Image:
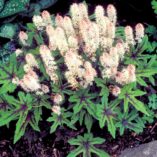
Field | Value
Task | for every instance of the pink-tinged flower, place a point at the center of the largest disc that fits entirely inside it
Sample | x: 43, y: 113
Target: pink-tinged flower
x: 90, y: 35
x: 49, y: 63
x: 61, y: 40
x: 120, y: 50
x: 90, y: 73
x: 46, y: 17
x: 111, y: 59
x: 122, y: 77
x: 72, y: 60
x: 71, y: 78
x: 127, y: 75
x: 68, y: 26
x: 56, y: 109
x: 106, y: 60
x: 73, y: 43
x: 111, y: 13
x: 75, y: 14
x: 84, y: 11
x: 139, y: 32
x: 103, y: 26
x: 109, y: 72
x: 129, y: 37
x: 105, y: 43
x: 111, y: 30
x: 115, y: 90
x: 23, y: 37
x: 50, y: 30
x: 52, y: 38
x: 57, y: 99
x: 59, y: 21
x: 44, y: 88
x: 132, y: 73
x: 99, y: 13
x: 31, y: 61
x: 30, y: 82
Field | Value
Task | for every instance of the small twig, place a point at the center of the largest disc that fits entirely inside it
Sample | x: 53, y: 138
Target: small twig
x: 153, y: 127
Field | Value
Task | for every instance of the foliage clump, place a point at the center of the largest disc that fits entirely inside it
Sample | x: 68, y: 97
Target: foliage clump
x: 84, y: 70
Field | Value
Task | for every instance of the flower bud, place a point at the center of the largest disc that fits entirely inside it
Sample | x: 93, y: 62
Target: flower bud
x: 56, y: 109
x: 46, y: 17
x: 129, y: 35
x: 38, y: 22
x: 115, y: 90
x: 139, y: 32
x: 111, y: 13
x: 99, y: 13
x: 59, y: 21
x: 57, y: 99
x: 30, y: 59
x: 23, y: 37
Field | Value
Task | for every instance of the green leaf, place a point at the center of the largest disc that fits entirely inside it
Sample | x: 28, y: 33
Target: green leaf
x: 98, y: 140
x: 126, y: 104
x: 77, y: 108
x: 138, y: 105
x: 88, y: 122
x: 21, y: 126
x: 99, y: 152
x: 75, y: 152
x: 146, y: 72
x: 111, y: 127
x: 54, y: 127
x: 141, y: 81
x: 137, y: 93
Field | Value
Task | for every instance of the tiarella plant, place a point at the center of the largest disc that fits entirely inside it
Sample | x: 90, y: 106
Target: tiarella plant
x: 86, y: 146
x: 84, y: 69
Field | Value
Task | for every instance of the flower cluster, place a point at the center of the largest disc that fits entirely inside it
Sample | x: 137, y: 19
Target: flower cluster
x: 82, y: 43
x: 49, y: 62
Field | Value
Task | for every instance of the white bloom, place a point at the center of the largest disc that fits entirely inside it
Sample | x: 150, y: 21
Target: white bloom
x: 18, y: 52
x: 115, y: 90
x: 59, y: 21
x: 56, y: 109
x: 99, y: 13
x: 52, y: 37
x: 50, y: 64
x: 127, y: 75
x: 31, y: 61
x: 68, y: 26
x: 111, y: 13
x: 23, y: 38
x: 61, y: 40
x: 120, y: 50
x: 72, y: 60
x: 75, y: 14
x: 84, y: 11
x: 139, y: 30
x: 30, y: 82
x: 27, y: 68
x: 38, y: 22
x: 46, y: 17
x: 73, y: 43
x: 111, y: 29
x: 44, y: 88
x: 129, y: 35
x: 57, y: 99
x: 15, y: 80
